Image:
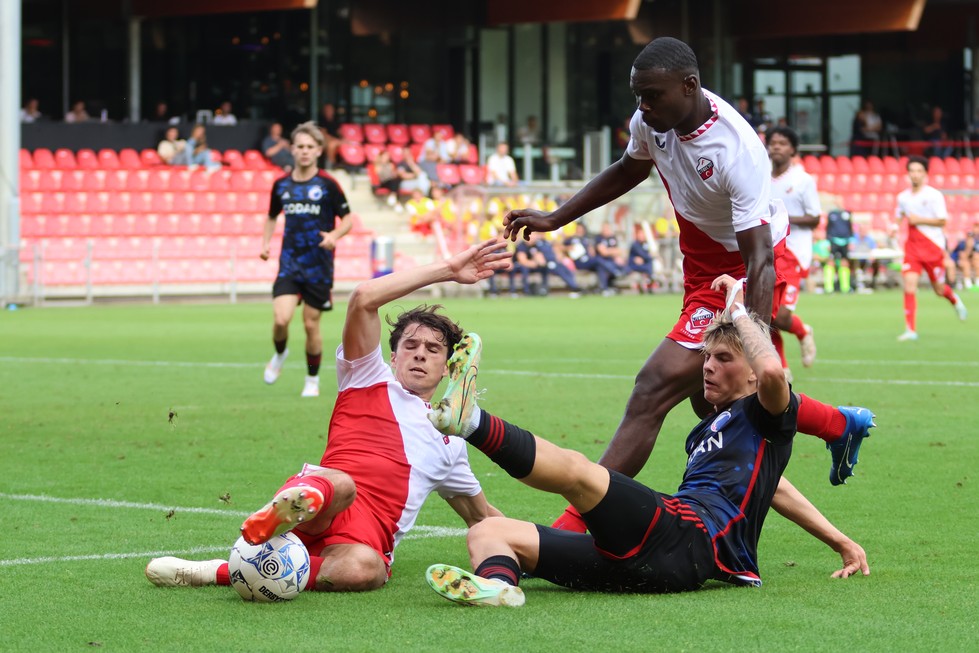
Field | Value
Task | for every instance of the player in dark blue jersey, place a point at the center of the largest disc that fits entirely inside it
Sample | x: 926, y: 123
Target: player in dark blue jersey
x: 641, y: 540
x: 317, y: 216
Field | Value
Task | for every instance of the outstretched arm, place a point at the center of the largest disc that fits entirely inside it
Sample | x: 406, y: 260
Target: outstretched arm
x: 755, y: 245
x: 791, y: 504
x: 362, y: 328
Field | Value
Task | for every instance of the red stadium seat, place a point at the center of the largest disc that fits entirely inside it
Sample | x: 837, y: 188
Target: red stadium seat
x: 352, y: 132
x: 858, y: 164
x: 234, y: 159
x: 419, y: 133
x: 844, y: 183
x: 375, y: 133
x: 30, y: 180
x: 262, y: 181
x: 936, y: 179
x: 87, y: 159
x: 129, y: 159
x: 30, y: 203
x: 352, y: 154
x: 844, y: 164
x: 936, y: 165
x: 241, y: 179
x: 26, y: 160
x: 416, y: 150
x: 44, y: 159
x: 892, y: 183
x: 967, y: 166
x: 108, y: 159
x: 254, y: 160
x: 141, y: 202
x: 199, y: 179
x: 53, y: 203
x: 448, y: 174
x: 116, y: 179
x: 828, y: 164
x: 185, y: 202
x: 180, y: 179
x: 159, y: 179
x: 63, y: 159
x: 892, y: 165
x: 219, y: 180
x: 162, y: 202
x: 472, y: 174
x: 811, y: 163
x: 73, y: 180
x: 952, y: 166
x: 446, y: 131
x: 398, y: 134
x: 371, y: 150
x: 875, y: 165
x: 396, y: 152
x: 137, y: 180
x: 150, y: 158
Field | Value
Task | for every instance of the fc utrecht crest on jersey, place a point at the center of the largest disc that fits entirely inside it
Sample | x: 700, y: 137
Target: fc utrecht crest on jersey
x: 705, y: 168
x: 700, y: 319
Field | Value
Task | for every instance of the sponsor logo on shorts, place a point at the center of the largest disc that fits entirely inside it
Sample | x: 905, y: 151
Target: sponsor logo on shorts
x: 705, y: 168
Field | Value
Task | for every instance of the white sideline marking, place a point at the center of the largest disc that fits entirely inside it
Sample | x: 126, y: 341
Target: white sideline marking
x: 418, y: 532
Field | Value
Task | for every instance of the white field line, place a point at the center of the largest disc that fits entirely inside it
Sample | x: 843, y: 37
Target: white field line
x: 560, y: 375
x: 416, y: 533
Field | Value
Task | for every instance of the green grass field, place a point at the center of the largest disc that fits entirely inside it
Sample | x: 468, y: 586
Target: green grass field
x: 91, y: 466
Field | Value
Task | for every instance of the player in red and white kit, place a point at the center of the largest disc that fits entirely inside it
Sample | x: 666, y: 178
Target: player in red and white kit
x: 716, y: 172
x: 923, y: 207
x: 797, y: 190
x: 383, y: 456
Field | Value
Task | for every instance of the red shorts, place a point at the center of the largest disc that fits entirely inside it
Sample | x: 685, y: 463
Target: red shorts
x: 924, y: 257
x: 701, y: 304
x: 793, y: 273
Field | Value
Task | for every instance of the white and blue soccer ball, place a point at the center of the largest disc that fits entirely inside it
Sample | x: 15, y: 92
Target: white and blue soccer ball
x: 277, y: 570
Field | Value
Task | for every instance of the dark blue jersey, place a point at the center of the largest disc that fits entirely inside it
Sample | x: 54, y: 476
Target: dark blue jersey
x: 310, y: 207
x: 640, y: 250
x: 735, y: 459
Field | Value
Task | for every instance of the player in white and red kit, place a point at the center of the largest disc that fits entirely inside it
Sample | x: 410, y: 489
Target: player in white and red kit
x: 383, y: 457
x: 923, y: 207
x: 797, y: 190
x: 716, y: 172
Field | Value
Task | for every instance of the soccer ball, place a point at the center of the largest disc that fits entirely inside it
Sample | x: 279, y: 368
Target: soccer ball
x: 277, y: 570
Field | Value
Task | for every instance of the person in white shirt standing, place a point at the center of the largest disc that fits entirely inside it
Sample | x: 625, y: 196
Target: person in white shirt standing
x: 501, y: 170
x: 797, y: 190
x: 923, y: 207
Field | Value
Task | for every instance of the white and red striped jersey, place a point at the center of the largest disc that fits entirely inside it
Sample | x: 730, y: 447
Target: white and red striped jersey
x: 928, y: 202
x: 797, y: 190
x: 380, y: 435
x: 719, y: 180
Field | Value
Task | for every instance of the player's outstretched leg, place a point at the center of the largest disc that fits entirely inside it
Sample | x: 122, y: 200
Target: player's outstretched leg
x: 274, y: 368
x: 176, y: 572
x: 463, y: 587
x: 290, y: 507
x: 453, y: 414
x: 844, y: 451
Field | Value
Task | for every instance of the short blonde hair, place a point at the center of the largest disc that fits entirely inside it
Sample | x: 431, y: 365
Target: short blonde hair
x: 310, y: 129
x: 722, y: 331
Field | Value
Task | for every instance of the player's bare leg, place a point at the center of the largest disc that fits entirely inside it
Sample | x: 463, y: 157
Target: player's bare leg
x: 283, y: 308
x: 314, y: 350
x: 350, y: 568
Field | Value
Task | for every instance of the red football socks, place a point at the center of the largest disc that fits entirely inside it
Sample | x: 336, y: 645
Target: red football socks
x: 819, y: 419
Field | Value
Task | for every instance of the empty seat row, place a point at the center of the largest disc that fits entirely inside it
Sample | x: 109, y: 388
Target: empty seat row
x: 150, y: 224
x: 883, y: 165
x: 122, y: 202
x: 844, y: 182
x: 360, y: 154
x: 398, y: 134
x: 129, y: 159
x: 158, y: 179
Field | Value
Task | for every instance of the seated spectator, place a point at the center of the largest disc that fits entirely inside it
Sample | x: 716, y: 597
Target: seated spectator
x: 867, y: 129
x: 641, y: 254
x: 77, y: 113
x: 965, y: 256
x: 412, y: 176
x: 501, y: 169
x: 387, y: 175
x: 277, y: 148
x: 197, y: 151
x: 429, y: 162
x: 607, y: 249
x: 554, y: 264
x: 30, y: 113
x: 581, y: 252
x: 173, y: 149
x: 422, y: 213
x: 330, y: 126
x: 529, y: 134
x: 936, y: 132
x: 529, y: 259
x: 459, y: 148
x: 162, y: 114
x: 437, y: 149
x: 223, y: 117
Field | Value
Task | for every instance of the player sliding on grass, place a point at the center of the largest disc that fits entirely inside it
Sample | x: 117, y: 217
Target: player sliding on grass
x: 642, y: 540
x: 383, y: 457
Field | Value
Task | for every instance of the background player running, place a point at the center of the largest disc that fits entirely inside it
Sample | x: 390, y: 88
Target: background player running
x: 383, y: 457
x: 317, y: 217
x: 923, y: 207
x: 642, y: 540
